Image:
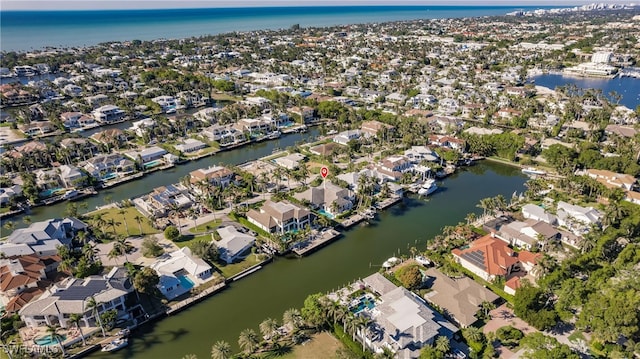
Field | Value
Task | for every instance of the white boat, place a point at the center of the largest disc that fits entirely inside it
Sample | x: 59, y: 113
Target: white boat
x: 390, y: 262
x: 423, y: 260
x: 273, y: 135
x: 24, y: 71
x: 533, y: 171
x: 71, y: 194
x: 428, y: 187
x: 116, y: 345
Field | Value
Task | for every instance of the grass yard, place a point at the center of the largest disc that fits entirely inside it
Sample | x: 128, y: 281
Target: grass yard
x: 202, y: 152
x: 245, y: 222
x: 205, y: 226
x: 230, y: 270
x: 224, y: 97
x: 186, y: 240
x: 128, y: 217
x: 321, y: 345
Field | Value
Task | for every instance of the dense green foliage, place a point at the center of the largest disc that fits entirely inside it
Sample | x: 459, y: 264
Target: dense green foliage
x: 171, y: 233
x: 504, y: 145
x: 409, y: 276
x: 532, y: 305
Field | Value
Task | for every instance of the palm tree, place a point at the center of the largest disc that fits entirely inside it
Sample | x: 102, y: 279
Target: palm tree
x: 52, y: 330
x: 487, y: 307
x: 268, y: 329
x: 362, y: 324
x: 138, y: 218
x: 113, y: 223
x: 473, y: 334
x: 190, y: 356
x: 221, y: 350
x: 248, y: 340
x: 100, y: 222
x: 442, y: 344
x: 292, y: 318
x: 66, y: 266
x: 120, y: 248
x: 76, y: 319
x: 123, y: 213
x: 94, y: 306
x: 82, y: 237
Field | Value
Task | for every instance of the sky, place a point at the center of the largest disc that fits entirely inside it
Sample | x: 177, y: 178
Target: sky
x: 172, y: 4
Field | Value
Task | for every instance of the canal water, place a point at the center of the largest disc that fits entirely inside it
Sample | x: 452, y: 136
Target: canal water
x: 627, y: 87
x: 286, y: 282
x: 160, y: 178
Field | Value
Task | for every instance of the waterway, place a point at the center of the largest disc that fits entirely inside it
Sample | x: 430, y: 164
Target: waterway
x: 160, y: 178
x: 627, y: 87
x: 29, y: 30
x: 286, y: 282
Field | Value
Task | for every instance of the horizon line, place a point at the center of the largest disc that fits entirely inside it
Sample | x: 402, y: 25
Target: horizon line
x: 101, y: 5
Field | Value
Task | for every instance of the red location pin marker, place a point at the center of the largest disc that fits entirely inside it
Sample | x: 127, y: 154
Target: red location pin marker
x: 324, y: 172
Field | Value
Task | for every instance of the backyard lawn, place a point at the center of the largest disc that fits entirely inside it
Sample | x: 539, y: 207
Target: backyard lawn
x: 203, y: 227
x: 128, y: 217
x: 186, y: 240
x: 230, y: 270
x: 321, y: 345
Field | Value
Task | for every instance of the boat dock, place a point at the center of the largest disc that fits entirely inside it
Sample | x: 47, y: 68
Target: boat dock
x: 352, y: 220
x: 388, y: 202
x: 174, y: 308
x: 317, y: 242
x: 122, y: 180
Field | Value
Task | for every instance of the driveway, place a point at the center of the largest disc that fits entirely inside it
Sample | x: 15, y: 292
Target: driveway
x: 503, y: 316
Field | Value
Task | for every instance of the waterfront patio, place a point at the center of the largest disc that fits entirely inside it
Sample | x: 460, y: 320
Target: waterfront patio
x: 71, y: 335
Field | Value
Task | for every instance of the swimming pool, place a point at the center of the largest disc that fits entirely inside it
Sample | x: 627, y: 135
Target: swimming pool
x: 326, y: 214
x: 365, y: 302
x: 152, y: 163
x: 50, y: 192
x: 47, y: 340
x: 185, y: 282
x: 109, y: 176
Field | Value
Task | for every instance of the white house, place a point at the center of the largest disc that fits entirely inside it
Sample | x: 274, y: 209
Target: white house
x: 344, y: 137
x: 7, y: 193
x: 578, y: 219
x: 179, y: 271
x: 190, y: 145
x: 282, y: 217
x: 42, y: 238
x: 328, y: 197
x: 71, y: 296
x: 538, y: 213
x: 290, y: 161
x: 417, y: 154
x: 233, y: 244
x: 147, y: 154
x: 405, y: 320
x: 108, y: 114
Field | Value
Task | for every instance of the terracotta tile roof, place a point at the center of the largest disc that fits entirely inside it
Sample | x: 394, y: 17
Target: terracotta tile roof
x: 528, y: 257
x: 513, y: 283
x: 490, y: 254
x: 17, y: 302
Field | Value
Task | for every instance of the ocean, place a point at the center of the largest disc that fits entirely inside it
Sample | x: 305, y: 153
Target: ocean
x: 33, y: 30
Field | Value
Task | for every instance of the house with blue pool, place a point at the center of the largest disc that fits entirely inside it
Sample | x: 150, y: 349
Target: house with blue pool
x: 180, y: 271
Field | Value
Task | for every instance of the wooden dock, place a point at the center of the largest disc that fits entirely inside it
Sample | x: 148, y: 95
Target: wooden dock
x: 352, y: 220
x: 310, y: 246
x: 113, y: 183
x: 388, y: 202
x: 174, y: 308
